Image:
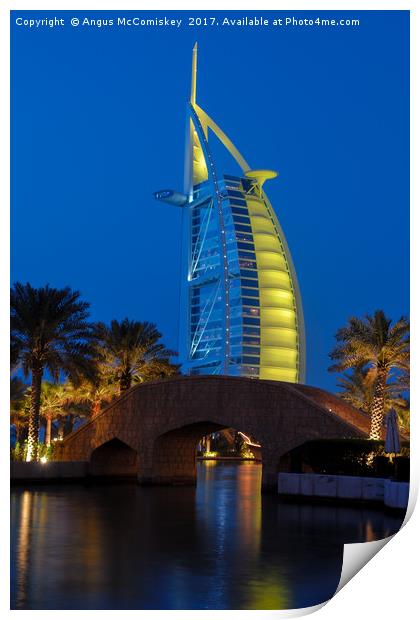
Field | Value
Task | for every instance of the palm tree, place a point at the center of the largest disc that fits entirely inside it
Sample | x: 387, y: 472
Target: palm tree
x: 63, y: 402
x: 54, y: 398
x: 157, y: 369
x: 358, y: 387
x: 373, y: 342
x: 97, y: 391
x: 132, y: 351
x: 49, y: 331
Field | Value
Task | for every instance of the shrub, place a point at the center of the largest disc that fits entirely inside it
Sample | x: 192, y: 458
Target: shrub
x: 351, y: 457
x: 18, y: 453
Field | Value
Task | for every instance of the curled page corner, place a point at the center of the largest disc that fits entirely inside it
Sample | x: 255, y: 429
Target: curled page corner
x: 356, y: 555
x: 305, y: 611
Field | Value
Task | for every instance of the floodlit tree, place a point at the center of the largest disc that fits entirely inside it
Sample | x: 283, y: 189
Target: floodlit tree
x: 132, y: 352
x: 374, y: 342
x: 97, y: 391
x: 54, y: 399
x: 358, y: 387
x: 49, y: 332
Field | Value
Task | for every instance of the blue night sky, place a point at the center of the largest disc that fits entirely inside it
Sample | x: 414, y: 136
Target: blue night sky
x: 98, y: 123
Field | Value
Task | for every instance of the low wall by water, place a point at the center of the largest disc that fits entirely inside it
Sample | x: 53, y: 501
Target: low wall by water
x: 378, y: 490
x: 47, y: 472
x: 396, y: 494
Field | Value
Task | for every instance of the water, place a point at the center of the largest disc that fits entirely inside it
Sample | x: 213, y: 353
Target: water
x: 219, y: 546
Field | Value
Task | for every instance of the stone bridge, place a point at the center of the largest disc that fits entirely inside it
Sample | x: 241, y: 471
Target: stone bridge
x: 152, y: 431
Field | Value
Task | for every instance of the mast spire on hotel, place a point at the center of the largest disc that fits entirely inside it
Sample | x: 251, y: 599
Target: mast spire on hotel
x: 241, y: 312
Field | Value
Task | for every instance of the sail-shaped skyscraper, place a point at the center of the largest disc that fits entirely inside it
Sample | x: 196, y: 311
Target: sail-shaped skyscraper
x: 241, y: 312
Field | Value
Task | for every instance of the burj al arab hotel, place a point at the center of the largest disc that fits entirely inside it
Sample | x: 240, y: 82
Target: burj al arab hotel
x: 241, y: 312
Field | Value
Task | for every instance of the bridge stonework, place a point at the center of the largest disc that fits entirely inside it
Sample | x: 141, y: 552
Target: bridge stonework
x: 153, y: 429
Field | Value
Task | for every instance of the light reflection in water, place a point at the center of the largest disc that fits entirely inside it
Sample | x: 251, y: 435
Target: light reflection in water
x: 23, y: 547
x: 219, y: 546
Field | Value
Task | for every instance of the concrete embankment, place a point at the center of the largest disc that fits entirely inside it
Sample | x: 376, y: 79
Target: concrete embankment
x: 53, y: 471
x: 383, y: 491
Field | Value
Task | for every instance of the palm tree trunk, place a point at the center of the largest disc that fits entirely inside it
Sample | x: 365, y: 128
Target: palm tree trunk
x: 32, y: 453
x: 96, y: 408
x: 377, y: 410
x: 48, y: 423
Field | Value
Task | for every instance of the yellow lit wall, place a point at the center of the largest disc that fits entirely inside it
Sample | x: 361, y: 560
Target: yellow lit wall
x: 279, y: 352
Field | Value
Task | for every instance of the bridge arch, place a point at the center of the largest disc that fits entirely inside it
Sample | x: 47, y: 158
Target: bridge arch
x: 114, y: 459
x: 163, y: 421
x: 174, y: 452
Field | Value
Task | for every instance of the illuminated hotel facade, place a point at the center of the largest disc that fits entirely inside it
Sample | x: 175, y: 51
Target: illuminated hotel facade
x: 241, y: 312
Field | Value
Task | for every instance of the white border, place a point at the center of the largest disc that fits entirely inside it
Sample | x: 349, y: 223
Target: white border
x: 387, y: 584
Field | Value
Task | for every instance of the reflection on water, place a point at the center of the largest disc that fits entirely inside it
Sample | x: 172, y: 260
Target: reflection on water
x: 219, y: 546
